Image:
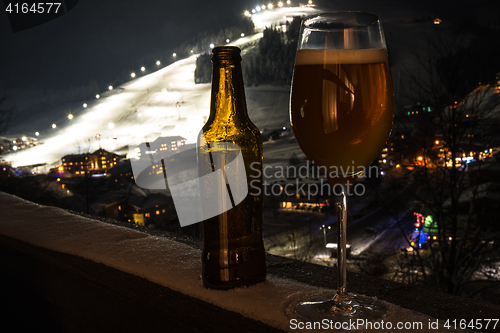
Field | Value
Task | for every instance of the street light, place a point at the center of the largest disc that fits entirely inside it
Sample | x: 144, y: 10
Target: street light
x: 23, y: 138
x: 158, y: 62
x: 97, y: 96
x: 111, y: 125
x: 70, y: 116
x: 178, y: 109
x: 174, y: 54
x: 324, y: 232
x: 242, y: 35
x: 280, y: 4
x: 110, y: 87
x: 132, y: 74
x: 37, y: 134
x: 54, y: 125
x: 212, y: 45
x: 84, y: 105
x: 143, y: 69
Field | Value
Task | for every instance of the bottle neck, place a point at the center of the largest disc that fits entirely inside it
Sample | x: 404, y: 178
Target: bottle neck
x: 228, y: 94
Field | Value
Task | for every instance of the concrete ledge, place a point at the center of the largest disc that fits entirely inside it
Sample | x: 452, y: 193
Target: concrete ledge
x: 88, y: 275
x: 48, y: 291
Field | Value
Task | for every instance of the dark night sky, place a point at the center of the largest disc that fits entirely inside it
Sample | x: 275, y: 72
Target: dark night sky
x: 99, y: 39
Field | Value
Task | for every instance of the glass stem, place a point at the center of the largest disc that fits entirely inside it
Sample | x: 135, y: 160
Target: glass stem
x: 341, y: 243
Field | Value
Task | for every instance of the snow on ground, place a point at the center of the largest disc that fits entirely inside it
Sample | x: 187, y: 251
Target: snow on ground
x: 136, y: 110
x: 163, y: 261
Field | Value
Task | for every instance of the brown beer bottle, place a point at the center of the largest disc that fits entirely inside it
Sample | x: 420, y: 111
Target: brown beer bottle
x: 233, y: 250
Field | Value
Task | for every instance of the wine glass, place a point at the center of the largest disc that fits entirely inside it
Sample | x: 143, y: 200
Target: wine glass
x: 341, y: 111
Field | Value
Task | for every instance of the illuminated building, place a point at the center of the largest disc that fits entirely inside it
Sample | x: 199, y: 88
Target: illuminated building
x: 162, y: 146
x: 95, y: 164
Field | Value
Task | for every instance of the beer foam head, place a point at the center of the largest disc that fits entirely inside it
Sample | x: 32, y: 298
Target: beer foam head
x: 319, y: 56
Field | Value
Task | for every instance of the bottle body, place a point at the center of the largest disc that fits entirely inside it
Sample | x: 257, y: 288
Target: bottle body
x: 233, y: 251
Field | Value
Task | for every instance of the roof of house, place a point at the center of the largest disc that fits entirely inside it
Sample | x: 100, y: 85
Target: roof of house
x: 149, y: 201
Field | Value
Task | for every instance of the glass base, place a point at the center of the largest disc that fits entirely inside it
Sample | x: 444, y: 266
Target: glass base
x: 350, y: 307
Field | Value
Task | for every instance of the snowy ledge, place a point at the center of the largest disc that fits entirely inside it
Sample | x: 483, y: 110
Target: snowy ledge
x: 99, y: 277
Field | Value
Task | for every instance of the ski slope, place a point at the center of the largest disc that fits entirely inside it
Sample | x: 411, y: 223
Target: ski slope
x: 166, y: 102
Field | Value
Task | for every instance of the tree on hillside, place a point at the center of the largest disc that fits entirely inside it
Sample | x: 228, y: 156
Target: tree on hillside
x: 203, y: 70
x: 275, y: 60
x: 201, y: 43
x: 456, y: 120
